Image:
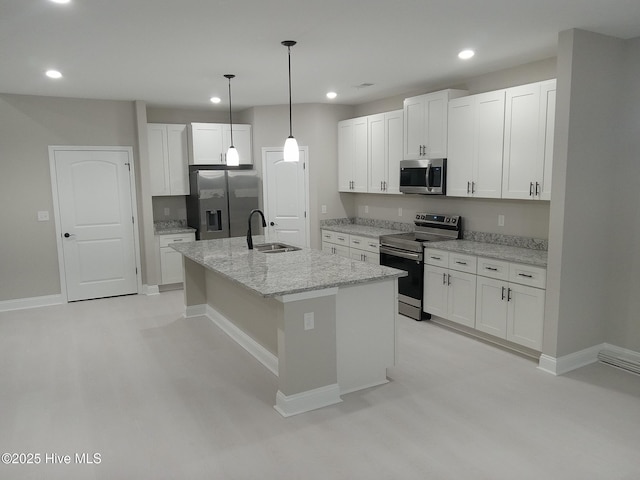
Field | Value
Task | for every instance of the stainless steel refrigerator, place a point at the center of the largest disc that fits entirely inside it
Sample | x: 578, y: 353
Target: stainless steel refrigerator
x: 221, y: 199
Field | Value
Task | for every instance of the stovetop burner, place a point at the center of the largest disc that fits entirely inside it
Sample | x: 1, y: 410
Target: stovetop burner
x: 429, y: 228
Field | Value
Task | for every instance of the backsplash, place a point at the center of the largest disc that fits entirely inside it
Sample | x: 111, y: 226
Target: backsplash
x: 484, y: 237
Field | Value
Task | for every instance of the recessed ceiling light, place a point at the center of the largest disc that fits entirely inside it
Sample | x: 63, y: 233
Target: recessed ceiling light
x: 215, y: 99
x: 466, y: 54
x: 331, y: 95
x: 61, y: 1
x: 53, y: 74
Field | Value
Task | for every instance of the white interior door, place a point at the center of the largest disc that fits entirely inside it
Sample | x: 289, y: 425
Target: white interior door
x: 285, y: 197
x: 95, y: 217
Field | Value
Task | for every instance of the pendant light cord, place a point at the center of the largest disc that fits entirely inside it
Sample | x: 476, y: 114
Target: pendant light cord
x: 230, y: 119
x: 290, y: 118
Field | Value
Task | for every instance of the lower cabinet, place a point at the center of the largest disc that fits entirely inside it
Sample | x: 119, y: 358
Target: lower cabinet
x: 355, y: 247
x: 499, y: 298
x: 170, y: 260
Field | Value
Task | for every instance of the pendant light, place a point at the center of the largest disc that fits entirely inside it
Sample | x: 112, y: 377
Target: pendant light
x: 233, y: 159
x: 291, y: 153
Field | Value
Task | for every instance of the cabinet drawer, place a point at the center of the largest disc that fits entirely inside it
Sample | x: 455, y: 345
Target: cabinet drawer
x: 341, y: 239
x: 528, y: 275
x: 498, y: 269
x: 166, y: 240
x: 364, y: 243
x: 462, y: 262
x: 438, y: 258
x: 328, y: 236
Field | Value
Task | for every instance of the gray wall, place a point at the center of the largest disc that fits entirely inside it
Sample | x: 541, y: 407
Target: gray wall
x: 28, y: 125
x: 593, y: 258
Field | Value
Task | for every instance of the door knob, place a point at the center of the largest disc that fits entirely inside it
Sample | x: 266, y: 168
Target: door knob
x: 271, y: 223
x: 67, y: 235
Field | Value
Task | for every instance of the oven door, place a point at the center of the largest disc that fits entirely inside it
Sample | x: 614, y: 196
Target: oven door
x: 409, y: 287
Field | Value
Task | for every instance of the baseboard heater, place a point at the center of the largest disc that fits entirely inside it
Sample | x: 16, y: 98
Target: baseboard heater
x: 619, y: 361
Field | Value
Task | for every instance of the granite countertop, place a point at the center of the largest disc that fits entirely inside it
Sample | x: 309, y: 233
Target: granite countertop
x: 362, y: 230
x: 171, y: 226
x: 275, y: 274
x: 507, y: 253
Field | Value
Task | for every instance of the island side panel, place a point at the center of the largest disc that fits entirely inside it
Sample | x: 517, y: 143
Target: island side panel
x: 307, y: 358
x: 195, y: 295
x: 254, y: 315
x: 366, y: 334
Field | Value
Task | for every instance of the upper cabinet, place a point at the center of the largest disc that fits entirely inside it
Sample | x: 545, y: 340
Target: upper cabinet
x: 168, y: 159
x: 476, y: 136
x: 210, y: 142
x: 369, y: 153
x: 352, y: 155
x: 385, y: 151
x: 425, y: 124
x: 528, y: 142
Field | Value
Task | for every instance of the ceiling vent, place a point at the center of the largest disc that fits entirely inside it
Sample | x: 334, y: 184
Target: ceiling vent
x: 364, y: 85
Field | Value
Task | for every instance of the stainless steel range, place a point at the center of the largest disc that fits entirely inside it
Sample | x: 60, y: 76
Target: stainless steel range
x: 404, y: 251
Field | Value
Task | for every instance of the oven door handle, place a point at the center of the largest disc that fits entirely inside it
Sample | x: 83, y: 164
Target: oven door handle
x: 399, y: 253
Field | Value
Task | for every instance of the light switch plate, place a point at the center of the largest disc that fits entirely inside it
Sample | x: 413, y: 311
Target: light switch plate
x: 309, y: 321
x: 501, y: 220
x: 366, y: 209
x: 166, y: 211
x: 43, y: 216
x: 324, y: 209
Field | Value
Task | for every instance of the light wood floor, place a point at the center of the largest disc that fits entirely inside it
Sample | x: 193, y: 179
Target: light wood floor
x: 162, y: 397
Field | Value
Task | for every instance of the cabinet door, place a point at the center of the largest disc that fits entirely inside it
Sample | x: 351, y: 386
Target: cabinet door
x: 436, y: 289
x: 171, y: 266
x: 462, y: 298
x: 361, y: 155
x: 342, y: 251
x: 158, y: 159
x: 436, y: 108
x: 414, y: 127
x: 525, y: 316
x: 522, y: 152
x: 491, y: 306
x: 461, y: 146
x: 206, y: 143
x: 241, y: 140
x: 393, y: 149
x: 548, y: 111
x: 178, y: 159
x: 346, y: 151
x: 377, y: 157
x: 489, y: 145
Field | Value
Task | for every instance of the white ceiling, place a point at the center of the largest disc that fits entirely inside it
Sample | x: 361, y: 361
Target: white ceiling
x: 175, y: 52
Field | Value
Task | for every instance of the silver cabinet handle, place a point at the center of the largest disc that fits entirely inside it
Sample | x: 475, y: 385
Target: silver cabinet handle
x: 385, y: 186
x: 525, y: 275
x: 468, y: 187
x: 461, y: 263
x: 508, y: 295
x: 491, y: 268
x: 435, y: 258
x: 444, y: 278
x: 503, y: 289
x: 531, y: 189
x: 357, y: 242
x: 473, y: 187
x: 448, y: 279
x: 537, y: 188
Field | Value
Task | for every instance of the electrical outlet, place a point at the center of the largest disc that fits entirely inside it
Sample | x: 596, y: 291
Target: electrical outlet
x: 324, y: 209
x: 166, y: 211
x: 43, y: 216
x: 366, y: 209
x: 399, y: 211
x: 309, y: 321
x: 501, y: 220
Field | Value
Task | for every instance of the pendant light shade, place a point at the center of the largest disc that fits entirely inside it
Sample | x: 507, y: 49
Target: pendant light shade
x: 291, y: 152
x: 233, y: 159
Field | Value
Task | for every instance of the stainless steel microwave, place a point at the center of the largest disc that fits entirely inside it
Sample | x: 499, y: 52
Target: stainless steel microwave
x: 428, y: 177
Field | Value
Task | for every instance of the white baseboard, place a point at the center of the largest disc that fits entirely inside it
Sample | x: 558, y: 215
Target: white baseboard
x: 32, y: 302
x: 195, y: 311
x: 567, y: 363
x: 150, y: 290
x: 307, y: 401
x: 260, y: 353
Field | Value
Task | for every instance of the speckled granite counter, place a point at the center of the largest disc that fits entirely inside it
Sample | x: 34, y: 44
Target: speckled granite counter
x: 362, y: 230
x: 276, y: 274
x: 491, y: 250
x: 171, y: 227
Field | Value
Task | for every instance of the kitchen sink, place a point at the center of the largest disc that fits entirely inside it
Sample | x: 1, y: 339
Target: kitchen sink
x: 275, y: 248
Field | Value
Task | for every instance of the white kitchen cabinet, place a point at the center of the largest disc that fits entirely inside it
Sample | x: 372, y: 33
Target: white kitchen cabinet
x: 510, y: 310
x: 385, y: 137
x: 336, y: 243
x: 450, y: 292
x: 528, y: 142
x: 353, y: 155
x: 355, y: 247
x: 168, y: 159
x: 170, y: 260
x: 210, y: 142
x: 425, y: 124
x: 475, y: 145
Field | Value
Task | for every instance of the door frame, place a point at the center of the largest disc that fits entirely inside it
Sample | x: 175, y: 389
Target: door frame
x: 56, y: 208
x: 265, y: 203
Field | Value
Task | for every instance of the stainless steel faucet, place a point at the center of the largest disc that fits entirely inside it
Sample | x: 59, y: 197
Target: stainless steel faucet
x: 264, y: 225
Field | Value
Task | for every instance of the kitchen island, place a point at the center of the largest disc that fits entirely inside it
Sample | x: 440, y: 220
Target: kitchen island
x: 325, y: 325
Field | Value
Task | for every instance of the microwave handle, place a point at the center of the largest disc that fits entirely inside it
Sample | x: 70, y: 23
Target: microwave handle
x: 428, y: 176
